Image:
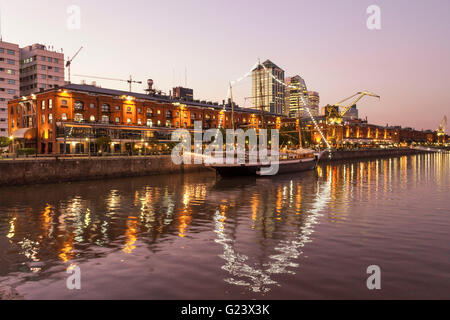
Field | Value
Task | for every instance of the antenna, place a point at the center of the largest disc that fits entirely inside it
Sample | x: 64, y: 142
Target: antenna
x: 1, y: 35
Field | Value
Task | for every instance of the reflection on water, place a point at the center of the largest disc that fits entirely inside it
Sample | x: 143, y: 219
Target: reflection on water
x: 267, y: 237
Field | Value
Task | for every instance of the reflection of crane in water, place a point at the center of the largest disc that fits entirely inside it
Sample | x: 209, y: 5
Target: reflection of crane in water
x: 259, y: 279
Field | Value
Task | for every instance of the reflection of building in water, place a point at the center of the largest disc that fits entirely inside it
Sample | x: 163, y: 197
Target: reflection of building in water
x: 131, y: 235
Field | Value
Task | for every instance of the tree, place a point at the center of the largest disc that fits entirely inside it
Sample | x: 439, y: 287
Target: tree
x: 4, y: 142
x: 103, y: 143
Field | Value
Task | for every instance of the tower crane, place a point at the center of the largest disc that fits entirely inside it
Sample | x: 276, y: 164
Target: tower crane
x: 335, y: 116
x: 69, y: 61
x: 130, y: 80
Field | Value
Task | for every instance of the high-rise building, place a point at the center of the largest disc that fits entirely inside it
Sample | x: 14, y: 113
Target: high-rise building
x: 9, y: 81
x: 295, y: 97
x: 314, y: 100
x: 40, y: 68
x: 266, y: 91
x: 352, y: 114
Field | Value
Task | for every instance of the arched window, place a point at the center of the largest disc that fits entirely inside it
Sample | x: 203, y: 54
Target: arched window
x: 64, y: 117
x: 92, y: 118
x: 149, y: 123
x: 149, y: 112
x: 168, y: 114
x: 105, y: 119
x: 78, y: 117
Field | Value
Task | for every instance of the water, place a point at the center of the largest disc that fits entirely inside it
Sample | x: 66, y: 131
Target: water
x: 305, y: 236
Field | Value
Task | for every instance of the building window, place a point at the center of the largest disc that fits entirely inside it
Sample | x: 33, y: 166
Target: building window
x: 117, y: 120
x: 105, y: 119
x: 50, y: 103
x: 149, y: 112
x: 43, y: 58
x: 106, y: 108
x: 128, y: 120
x: 11, y: 81
x: 159, y: 123
x: 78, y: 117
x: 43, y: 104
x: 56, y: 69
x: 149, y: 123
x: 64, y: 103
x: 50, y: 118
x: 11, y: 91
x: 43, y: 119
x: 92, y: 106
x: 79, y: 105
x: 56, y: 78
x: 168, y: 123
x: 64, y: 117
x: 139, y: 110
x: 92, y: 118
x: 9, y: 61
x: 168, y: 114
x: 43, y: 76
x: 158, y: 112
x: 139, y: 122
x: 43, y: 67
x: 128, y: 109
x: 117, y: 108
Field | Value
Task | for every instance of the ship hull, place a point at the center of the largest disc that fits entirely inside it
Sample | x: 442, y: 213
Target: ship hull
x: 285, y: 166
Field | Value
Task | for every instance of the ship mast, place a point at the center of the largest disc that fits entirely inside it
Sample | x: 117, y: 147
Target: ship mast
x: 261, y: 94
x: 299, y: 122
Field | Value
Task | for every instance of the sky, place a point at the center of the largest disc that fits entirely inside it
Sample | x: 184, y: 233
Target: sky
x: 327, y: 42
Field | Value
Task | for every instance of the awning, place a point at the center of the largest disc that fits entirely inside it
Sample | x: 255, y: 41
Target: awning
x: 24, y: 133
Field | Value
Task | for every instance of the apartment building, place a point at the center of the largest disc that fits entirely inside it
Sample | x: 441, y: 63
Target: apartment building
x: 9, y: 81
x: 266, y: 91
x: 40, y: 69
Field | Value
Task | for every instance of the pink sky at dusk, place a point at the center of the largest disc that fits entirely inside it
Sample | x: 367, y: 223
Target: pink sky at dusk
x: 326, y: 42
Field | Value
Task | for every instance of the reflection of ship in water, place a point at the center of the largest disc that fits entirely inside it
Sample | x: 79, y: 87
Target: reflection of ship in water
x: 256, y: 273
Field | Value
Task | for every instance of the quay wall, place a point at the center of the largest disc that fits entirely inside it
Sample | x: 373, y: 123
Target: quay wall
x: 366, y: 154
x: 31, y: 171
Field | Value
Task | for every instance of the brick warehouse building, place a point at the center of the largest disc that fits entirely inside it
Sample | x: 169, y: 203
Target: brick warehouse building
x: 68, y: 119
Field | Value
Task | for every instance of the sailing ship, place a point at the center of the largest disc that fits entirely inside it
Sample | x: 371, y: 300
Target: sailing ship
x: 288, y: 160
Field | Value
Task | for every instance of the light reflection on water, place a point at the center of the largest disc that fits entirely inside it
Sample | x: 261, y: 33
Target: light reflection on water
x: 305, y: 236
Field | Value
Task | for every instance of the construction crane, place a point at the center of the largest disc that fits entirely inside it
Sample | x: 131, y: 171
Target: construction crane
x: 130, y: 80
x: 441, y: 130
x: 335, y: 113
x: 69, y: 61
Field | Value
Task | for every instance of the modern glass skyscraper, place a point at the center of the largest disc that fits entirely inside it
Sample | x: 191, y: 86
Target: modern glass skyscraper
x: 295, y: 91
x: 267, y: 92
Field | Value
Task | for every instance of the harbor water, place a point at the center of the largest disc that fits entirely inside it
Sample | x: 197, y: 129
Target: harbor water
x: 310, y: 235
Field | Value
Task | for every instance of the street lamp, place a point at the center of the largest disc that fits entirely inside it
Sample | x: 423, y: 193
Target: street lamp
x: 12, y: 142
x: 89, y: 146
